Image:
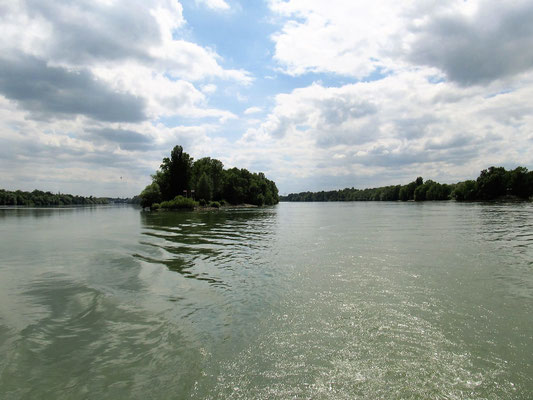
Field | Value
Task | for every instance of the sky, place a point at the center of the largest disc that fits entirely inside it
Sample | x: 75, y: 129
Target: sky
x: 318, y: 95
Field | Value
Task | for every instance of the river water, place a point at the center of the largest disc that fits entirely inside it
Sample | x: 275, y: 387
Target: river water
x: 300, y: 300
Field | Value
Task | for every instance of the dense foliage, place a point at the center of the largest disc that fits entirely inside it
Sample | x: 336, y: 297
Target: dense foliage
x: 179, y: 174
x: 38, y: 198
x: 177, y: 203
x: 494, y: 182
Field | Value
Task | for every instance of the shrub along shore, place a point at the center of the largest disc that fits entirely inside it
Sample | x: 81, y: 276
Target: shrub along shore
x: 493, y: 183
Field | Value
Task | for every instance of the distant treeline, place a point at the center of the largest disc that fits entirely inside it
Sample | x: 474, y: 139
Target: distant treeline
x: 38, y: 198
x: 205, y: 180
x: 492, y: 183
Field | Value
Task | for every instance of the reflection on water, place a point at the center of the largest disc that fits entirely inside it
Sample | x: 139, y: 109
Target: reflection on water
x: 209, y: 246
x: 355, y: 300
x: 43, y: 212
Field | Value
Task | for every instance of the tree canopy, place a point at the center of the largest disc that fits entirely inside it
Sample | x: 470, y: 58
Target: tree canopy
x: 38, y: 198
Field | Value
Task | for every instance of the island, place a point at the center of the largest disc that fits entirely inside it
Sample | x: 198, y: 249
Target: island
x: 182, y: 183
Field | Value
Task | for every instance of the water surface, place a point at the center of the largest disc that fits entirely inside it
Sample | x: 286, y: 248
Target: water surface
x: 301, y: 300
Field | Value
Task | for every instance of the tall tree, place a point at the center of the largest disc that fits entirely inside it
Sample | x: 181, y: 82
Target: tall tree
x: 203, y: 189
x: 175, y: 175
x: 214, y: 169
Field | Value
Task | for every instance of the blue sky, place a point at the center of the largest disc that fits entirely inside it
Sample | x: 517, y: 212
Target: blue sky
x: 318, y: 95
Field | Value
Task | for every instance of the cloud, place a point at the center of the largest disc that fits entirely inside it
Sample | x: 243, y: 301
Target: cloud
x: 55, y: 92
x: 122, y: 44
x: 209, y: 88
x: 89, y: 159
x: 217, y: 5
x: 472, y: 42
x: 85, y: 86
x: 494, y: 42
x: 85, y: 32
x: 164, y: 97
x: 343, y: 37
x: 126, y: 139
x: 252, y: 110
x: 390, y: 131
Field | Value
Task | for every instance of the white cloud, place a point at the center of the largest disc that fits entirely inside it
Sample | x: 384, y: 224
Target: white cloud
x: 209, y: 88
x: 134, y: 47
x: 345, y: 37
x: 217, y: 5
x: 252, y: 110
x: 472, y: 42
x: 164, y: 97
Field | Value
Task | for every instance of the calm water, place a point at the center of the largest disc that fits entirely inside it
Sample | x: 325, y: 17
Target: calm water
x: 316, y: 300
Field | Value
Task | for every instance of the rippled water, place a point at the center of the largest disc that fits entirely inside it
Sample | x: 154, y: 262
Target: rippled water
x: 306, y: 300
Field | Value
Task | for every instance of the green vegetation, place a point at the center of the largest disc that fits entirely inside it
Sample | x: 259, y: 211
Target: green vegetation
x: 215, y: 204
x: 178, y: 203
x: 207, y: 181
x: 492, y: 183
x: 38, y: 198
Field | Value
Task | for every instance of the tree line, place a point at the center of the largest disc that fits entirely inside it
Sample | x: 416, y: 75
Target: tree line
x: 492, y: 183
x: 207, y: 181
x: 38, y: 198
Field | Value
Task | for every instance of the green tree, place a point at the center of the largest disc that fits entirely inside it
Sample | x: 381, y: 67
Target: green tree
x: 203, y: 188
x: 150, y: 195
x: 175, y: 173
x: 466, y: 190
x: 492, y: 183
x: 420, y: 192
x: 519, y: 184
x: 404, y: 193
x: 215, y: 172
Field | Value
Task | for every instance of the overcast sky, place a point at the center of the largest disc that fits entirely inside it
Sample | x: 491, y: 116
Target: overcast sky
x: 317, y: 94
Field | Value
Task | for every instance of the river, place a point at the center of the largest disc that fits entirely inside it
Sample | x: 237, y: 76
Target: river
x: 301, y: 300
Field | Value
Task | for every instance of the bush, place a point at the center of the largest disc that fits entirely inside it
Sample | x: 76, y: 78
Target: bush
x: 214, y: 204
x: 179, y: 203
x: 202, y: 202
x: 150, y: 195
x: 466, y: 190
x: 155, y: 206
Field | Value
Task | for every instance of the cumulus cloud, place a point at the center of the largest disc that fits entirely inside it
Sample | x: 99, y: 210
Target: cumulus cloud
x: 391, y: 130
x: 126, y: 139
x: 88, y: 33
x: 77, y: 49
x: 496, y: 41
x: 56, y: 92
x: 343, y: 37
x: 472, y: 42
